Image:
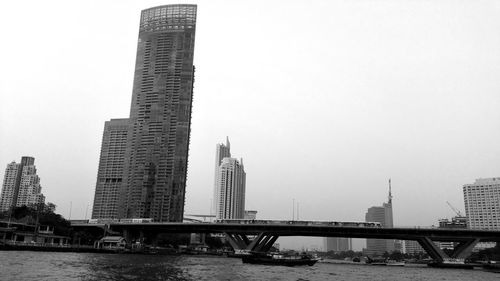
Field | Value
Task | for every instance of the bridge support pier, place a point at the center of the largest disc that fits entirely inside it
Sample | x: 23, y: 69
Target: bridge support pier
x: 461, y: 251
x: 126, y: 235
x: 261, y: 243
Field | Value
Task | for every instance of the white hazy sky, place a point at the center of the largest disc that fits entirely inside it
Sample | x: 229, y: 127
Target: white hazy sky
x: 324, y: 100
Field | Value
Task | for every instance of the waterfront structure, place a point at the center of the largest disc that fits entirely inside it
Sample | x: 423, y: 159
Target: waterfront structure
x: 383, y: 215
x: 250, y: 215
x: 13, y: 233
x: 482, y: 204
x: 156, y: 155
x: 110, y: 172
x: 260, y: 235
x: 230, y: 200
x: 337, y: 244
x: 21, y: 185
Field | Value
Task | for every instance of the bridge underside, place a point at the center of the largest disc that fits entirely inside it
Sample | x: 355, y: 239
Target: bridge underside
x: 264, y: 241
x: 462, y: 250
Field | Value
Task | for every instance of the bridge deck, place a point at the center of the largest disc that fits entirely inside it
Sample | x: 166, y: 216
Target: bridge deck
x: 307, y: 230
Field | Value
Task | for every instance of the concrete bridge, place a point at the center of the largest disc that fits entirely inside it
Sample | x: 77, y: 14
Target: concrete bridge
x: 261, y: 235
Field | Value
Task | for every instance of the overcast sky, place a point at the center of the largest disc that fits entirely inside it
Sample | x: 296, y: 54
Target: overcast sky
x: 324, y: 100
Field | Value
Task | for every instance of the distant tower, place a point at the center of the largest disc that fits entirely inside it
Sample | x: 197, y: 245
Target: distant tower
x: 230, y: 180
x: 21, y: 185
x: 221, y: 151
x: 110, y: 173
x: 383, y: 215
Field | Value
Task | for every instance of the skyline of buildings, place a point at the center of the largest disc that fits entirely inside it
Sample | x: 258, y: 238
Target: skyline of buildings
x: 230, y: 181
x: 110, y: 184
x: 145, y: 175
x: 21, y: 185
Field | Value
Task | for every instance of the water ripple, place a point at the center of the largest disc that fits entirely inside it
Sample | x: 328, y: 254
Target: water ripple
x: 16, y: 265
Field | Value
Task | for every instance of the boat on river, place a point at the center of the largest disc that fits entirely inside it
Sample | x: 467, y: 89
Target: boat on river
x: 278, y: 259
x: 384, y: 262
x: 492, y: 266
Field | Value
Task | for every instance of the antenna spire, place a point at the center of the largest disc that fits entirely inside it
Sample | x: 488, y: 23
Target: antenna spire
x: 390, y: 192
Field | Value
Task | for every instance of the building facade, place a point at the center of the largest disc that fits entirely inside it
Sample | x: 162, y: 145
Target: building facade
x: 21, y: 185
x: 482, y: 204
x: 30, y: 190
x: 337, y: 244
x: 156, y: 154
x: 9, y: 188
x: 221, y: 151
x: 231, y: 187
x: 110, y: 172
x: 383, y: 215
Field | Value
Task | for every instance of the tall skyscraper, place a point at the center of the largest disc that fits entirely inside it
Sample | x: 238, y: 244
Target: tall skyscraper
x: 231, y: 186
x: 383, y: 215
x: 337, y: 244
x: 156, y: 153
x: 230, y: 180
x: 221, y: 151
x: 482, y: 204
x: 21, y: 185
x: 110, y: 173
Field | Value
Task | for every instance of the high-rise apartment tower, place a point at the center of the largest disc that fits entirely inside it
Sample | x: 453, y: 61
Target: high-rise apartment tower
x: 156, y: 153
x: 21, y: 185
x: 221, y: 151
x: 231, y: 187
x: 110, y: 172
x: 230, y: 180
x: 482, y: 204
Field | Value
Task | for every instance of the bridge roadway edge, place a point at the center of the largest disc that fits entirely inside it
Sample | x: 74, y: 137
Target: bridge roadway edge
x: 455, y: 235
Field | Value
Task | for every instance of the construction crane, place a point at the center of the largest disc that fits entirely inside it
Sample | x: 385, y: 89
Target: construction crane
x: 454, y: 209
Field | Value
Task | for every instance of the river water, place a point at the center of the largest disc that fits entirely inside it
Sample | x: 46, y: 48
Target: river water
x: 23, y: 265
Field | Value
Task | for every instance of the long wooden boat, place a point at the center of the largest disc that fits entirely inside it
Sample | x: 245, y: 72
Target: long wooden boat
x: 278, y: 259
